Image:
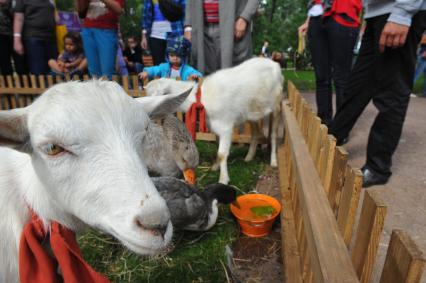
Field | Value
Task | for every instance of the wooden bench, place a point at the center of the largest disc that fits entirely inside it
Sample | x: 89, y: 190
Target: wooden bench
x: 320, y: 197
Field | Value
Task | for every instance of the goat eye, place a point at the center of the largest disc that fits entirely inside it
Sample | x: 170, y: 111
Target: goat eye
x: 53, y: 149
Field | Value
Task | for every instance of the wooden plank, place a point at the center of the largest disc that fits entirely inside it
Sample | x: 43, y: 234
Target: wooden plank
x: 314, y: 149
x: 349, y: 203
x: 10, y: 85
x: 404, y: 262
x: 320, y: 161
x: 42, y: 82
x: 125, y: 82
x: 322, y: 234
x: 330, y: 152
x: 370, y: 228
x: 2, y: 82
x: 291, y: 92
x: 289, y: 249
x: 337, y: 175
x: 49, y: 80
x: 33, y: 81
x: 25, y: 100
x: 135, y: 82
x: 16, y: 98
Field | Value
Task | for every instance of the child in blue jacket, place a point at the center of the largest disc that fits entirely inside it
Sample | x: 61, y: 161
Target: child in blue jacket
x: 177, y: 52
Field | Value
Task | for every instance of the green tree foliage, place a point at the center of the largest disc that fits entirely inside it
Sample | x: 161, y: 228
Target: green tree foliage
x: 130, y: 21
x: 65, y: 5
x: 277, y: 22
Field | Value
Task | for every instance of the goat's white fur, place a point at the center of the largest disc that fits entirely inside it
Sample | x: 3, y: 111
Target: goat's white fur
x: 100, y: 180
x: 247, y: 92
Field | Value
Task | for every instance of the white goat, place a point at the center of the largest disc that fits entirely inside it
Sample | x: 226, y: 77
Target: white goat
x: 247, y: 92
x: 75, y: 156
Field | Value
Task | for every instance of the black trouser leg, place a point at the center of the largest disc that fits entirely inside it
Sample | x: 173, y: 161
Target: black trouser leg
x: 6, y: 50
x: 318, y: 45
x: 158, y: 50
x: 359, y: 88
x: 395, y: 71
x: 341, y: 43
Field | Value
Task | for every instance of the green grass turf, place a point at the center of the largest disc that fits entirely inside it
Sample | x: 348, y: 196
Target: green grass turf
x: 305, y: 81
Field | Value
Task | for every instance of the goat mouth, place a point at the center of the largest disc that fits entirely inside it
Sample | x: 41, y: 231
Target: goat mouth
x: 162, y: 245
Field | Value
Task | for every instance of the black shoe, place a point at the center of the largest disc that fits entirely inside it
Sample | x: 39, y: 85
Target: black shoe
x: 342, y: 141
x: 371, y: 179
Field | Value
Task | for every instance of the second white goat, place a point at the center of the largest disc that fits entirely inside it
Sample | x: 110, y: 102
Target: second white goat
x: 247, y: 92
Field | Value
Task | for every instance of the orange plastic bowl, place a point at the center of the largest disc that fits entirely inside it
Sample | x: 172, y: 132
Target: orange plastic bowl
x: 251, y: 225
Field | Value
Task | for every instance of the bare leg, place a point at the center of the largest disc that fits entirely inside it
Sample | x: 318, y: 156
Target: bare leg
x: 253, y: 142
x: 83, y: 65
x: 53, y: 64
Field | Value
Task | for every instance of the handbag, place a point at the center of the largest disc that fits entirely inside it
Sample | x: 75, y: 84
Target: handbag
x: 171, y: 11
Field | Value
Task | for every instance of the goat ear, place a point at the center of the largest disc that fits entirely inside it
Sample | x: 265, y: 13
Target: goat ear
x: 13, y: 129
x: 160, y: 106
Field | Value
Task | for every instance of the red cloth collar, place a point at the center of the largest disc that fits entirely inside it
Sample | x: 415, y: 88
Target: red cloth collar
x: 191, y: 115
x: 37, y: 266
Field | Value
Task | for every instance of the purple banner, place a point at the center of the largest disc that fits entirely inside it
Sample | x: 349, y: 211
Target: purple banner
x: 70, y: 20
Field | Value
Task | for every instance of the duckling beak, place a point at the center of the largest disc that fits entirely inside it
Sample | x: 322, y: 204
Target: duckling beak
x: 189, y: 175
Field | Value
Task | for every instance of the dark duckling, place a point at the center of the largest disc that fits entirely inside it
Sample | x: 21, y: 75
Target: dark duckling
x: 190, y: 207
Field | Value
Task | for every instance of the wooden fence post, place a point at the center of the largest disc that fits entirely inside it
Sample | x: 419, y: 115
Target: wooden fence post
x: 404, y: 261
x: 370, y: 228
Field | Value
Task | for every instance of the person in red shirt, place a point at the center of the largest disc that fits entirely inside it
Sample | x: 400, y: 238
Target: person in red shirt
x: 99, y: 34
x: 332, y: 27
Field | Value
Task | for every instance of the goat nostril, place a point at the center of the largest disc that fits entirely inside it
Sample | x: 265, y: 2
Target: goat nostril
x: 140, y: 225
x: 156, y: 230
x: 159, y: 230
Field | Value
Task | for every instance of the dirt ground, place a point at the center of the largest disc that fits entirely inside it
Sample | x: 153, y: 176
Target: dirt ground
x: 405, y: 193
x: 258, y: 260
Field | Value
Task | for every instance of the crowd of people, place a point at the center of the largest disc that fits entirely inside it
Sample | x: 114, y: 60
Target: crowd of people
x: 215, y: 34
x: 174, y: 32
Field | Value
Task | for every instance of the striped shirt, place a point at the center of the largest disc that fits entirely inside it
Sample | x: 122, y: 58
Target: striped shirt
x: 211, y: 11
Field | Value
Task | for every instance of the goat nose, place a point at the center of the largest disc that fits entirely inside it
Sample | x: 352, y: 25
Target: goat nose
x: 156, y: 230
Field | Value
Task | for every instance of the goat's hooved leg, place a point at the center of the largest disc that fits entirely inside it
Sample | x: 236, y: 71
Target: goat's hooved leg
x: 274, y: 162
x: 274, y: 134
x: 222, y: 156
x: 253, y: 142
x: 216, y: 165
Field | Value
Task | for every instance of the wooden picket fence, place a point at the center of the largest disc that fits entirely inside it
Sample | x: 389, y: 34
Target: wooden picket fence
x: 20, y: 91
x: 320, y: 197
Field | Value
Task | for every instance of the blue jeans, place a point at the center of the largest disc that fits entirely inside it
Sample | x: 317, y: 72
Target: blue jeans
x: 100, y: 48
x: 421, y: 68
x: 39, y: 52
